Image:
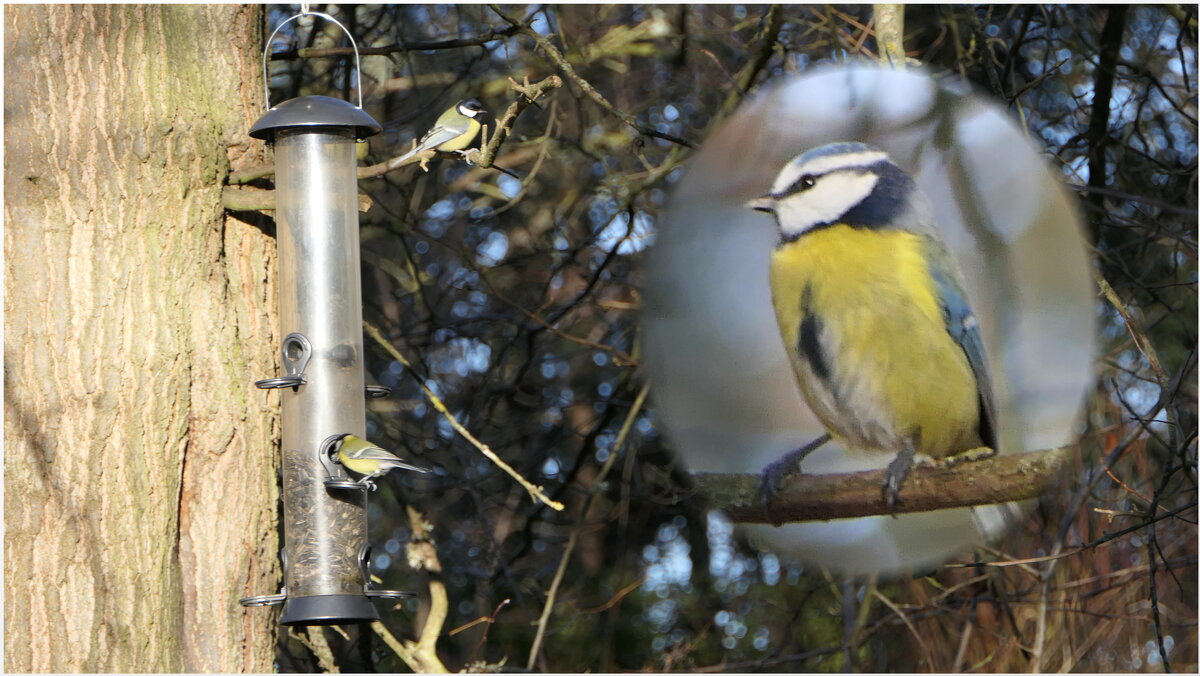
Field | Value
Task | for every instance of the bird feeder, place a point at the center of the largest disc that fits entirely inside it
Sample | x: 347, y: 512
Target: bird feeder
x: 326, y: 555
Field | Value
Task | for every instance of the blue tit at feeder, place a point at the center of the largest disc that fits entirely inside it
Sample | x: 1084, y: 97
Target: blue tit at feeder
x: 363, y: 457
x: 454, y: 130
x: 882, y: 340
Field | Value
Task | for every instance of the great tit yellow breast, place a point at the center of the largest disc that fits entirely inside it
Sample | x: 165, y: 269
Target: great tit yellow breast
x: 860, y: 316
x: 462, y: 141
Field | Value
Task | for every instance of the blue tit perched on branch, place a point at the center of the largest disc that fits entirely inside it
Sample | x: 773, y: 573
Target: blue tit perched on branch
x: 362, y: 457
x: 883, y: 343
x: 454, y: 130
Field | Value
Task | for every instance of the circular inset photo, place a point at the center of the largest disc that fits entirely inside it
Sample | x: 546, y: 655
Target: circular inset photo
x: 884, y: 258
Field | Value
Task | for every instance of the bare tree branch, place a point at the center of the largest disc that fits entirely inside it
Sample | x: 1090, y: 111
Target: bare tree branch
x: 454, y: 43
x: 529, y: 94
x: 1097, y: 131
x: 817, y: 497
x: 766, y: 47
x: 569, y: 71
x: 249, y: 198
x: 421, y: 655
x: 889, y: 33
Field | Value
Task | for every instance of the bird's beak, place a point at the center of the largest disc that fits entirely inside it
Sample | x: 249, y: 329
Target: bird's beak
x: 765, y: 203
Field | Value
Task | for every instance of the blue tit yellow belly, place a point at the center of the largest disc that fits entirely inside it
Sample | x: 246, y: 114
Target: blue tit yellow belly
x: 860, y: 316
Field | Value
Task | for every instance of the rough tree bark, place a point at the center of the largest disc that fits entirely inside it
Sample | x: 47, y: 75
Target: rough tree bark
x: 140, y: 469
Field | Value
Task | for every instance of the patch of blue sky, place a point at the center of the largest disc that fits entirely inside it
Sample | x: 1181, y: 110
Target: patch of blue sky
x: 492, y: 250
x: 618, y: 234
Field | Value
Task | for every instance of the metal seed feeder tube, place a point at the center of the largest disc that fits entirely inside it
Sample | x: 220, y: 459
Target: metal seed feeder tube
x: 320, y: 299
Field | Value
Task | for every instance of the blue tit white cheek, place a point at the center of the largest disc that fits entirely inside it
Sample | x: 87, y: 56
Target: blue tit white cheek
x: 831, y: 197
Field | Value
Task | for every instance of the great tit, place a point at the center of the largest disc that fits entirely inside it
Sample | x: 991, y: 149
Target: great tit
x: 362, y: 457
x: 453, y: 131
x: 884, y: 345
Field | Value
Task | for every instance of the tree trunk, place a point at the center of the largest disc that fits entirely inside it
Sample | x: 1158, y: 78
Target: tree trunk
x: 140, y: 497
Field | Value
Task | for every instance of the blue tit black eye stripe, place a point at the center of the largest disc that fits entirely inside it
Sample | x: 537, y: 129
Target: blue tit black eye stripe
x: 803, y: 183
x: 888, y: 198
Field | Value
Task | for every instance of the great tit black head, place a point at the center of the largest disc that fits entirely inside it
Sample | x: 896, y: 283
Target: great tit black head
x: 471, y: 107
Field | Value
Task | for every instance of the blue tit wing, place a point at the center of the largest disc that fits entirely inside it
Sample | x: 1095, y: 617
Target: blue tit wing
x: 963, y: 327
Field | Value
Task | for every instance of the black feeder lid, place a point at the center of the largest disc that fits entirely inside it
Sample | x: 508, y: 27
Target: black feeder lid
x: 314, y: 111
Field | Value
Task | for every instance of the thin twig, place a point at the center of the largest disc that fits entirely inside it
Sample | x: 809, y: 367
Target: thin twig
x: 586, y: 87
x: 548, y: 608
x: 529, y: 94
x: 616, y: 598
x: 749, y: 73
x: 1128, y: 196
x: 534, y: 491
x: 908, y: 623
x: 1039, y: 636
x: 453, y: 43
x: 1099, y: 542
x: 492, y: 621
x: 1136, y: 332
x: 489, y: 619
x: 620, y: 357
